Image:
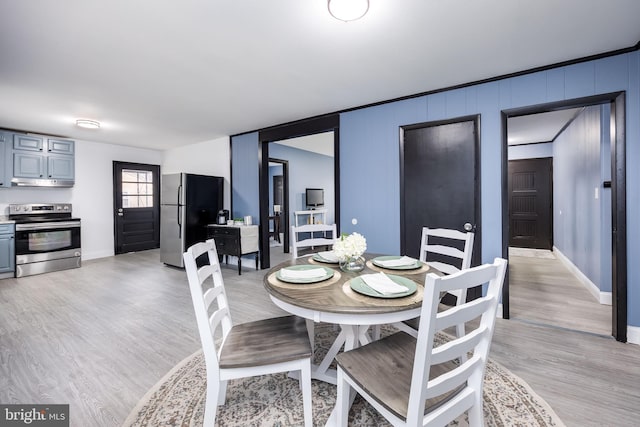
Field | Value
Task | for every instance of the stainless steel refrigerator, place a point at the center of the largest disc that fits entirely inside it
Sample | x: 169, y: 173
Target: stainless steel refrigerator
x: 188, y: 203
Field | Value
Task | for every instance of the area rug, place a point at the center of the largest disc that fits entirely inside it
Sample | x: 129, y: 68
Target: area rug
x: 276, y: 400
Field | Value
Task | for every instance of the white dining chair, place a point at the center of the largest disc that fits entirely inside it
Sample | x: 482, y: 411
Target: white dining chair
x: 417, y: 382
x: 311, y: 236
x: 448, y: 251
x: 236, y: 351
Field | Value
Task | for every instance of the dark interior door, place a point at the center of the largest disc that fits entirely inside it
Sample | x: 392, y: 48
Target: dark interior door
x: 530, y: 203
x: 440, y: 184
x: 137, y: 206
x: 278, y: 198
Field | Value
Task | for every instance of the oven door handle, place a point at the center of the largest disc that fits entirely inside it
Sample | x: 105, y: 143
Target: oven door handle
x: 48, y: 225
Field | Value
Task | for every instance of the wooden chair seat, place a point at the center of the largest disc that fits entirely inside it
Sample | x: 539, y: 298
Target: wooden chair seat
x: 391, y: 358
x: 265, y: 342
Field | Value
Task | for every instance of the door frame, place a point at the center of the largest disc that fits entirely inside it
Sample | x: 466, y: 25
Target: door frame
x: 285, y: 201
x: 477, y: 253
x: 618, y: 198
x: 312, y: 126
x: 155, y: 170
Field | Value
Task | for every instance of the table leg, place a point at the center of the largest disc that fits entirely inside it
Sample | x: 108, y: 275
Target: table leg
x: 351, y: 336
x: 354, y: 337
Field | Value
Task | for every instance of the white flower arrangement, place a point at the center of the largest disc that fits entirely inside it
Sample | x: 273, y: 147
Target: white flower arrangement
x: 351, y: 246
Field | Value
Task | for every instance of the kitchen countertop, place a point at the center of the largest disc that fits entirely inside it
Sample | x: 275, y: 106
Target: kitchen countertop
x: 5, y: 220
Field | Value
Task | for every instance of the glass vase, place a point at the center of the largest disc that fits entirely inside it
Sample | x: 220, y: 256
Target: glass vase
x: 352, y: 264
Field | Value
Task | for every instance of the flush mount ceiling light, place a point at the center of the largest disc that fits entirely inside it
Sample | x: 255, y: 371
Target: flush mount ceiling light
x: 348, y: 10
x: 88, y: 124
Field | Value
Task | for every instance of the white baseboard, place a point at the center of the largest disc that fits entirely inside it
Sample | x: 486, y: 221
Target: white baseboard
x: 633, y: 334
x: 96, y: 254
x: 604, y: 298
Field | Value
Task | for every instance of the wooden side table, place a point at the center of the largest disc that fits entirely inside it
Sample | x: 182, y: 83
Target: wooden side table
x: 235, y: 240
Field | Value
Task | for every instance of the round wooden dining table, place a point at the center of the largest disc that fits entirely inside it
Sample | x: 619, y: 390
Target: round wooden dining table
x: 334, y: 301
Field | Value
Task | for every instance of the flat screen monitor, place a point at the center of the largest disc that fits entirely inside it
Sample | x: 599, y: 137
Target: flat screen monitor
x: 315, y: 197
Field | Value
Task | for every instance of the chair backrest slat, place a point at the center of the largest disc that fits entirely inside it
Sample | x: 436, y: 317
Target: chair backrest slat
x: 455, y: 316
x: 445, y: 250
x: 210, y: 295
x: 452, y: 379
x: 445, y: 268
x: 456, y: 348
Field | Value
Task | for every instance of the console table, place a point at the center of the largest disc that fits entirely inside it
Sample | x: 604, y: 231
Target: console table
x: 235, y: 240
x: 317, y: 216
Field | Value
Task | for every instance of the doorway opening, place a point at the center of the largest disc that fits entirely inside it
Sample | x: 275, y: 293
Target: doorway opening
x: 279, y: 205
x: 587, y: 264
x: 282, y: 135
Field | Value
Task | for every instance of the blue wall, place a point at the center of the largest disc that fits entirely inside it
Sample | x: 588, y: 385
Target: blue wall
x: 576, y: 175
x: 245, y: 191
x: 369, y: 150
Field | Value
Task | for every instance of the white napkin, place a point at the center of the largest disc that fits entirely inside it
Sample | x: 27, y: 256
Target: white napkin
x: 311, y: 273
x: 329, y: 256
x: 381, y: 283
x: 399, y: 262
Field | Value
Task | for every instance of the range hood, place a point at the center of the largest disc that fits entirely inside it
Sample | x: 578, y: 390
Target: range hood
x: 38, y: 182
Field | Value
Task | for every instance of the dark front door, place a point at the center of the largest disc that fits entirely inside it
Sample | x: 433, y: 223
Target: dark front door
x: 137, y: 206
x: 440, y: 183
x: 530, y: 203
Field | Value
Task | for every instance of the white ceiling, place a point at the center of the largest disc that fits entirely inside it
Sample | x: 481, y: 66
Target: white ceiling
x: 541, y: 127
x: 163, y: 73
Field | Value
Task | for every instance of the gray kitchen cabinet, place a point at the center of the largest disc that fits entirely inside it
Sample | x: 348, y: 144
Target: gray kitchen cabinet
x: 60, y: 146
x: 7, y: 251
x: 28, y: 142
x: 6, y: 169
x: 39, y: 157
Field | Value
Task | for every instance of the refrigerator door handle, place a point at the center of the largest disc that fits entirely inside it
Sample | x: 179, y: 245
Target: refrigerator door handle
x: 179, y: 194
x: 179, y: 222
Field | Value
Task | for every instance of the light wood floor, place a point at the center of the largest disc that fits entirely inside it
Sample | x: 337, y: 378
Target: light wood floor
x: 100, y: 336
x: 543, y: 290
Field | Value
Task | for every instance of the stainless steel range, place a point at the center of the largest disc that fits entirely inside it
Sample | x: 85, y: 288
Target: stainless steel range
x: 47, y: 238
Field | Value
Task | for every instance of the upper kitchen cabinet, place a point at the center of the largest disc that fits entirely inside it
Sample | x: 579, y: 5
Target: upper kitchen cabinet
x: 6, y: 166
x: 42, y: 161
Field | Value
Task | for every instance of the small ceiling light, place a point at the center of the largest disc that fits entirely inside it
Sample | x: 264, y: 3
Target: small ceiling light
x: 348, y: 10
x: 88, y: 124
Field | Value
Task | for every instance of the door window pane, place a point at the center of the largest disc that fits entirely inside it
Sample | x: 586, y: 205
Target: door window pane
x: 137, y: 189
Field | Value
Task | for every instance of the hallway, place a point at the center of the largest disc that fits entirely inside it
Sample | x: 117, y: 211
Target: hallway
x: 543, y: 291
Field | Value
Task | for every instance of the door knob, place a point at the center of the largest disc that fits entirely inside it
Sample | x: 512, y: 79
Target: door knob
x: 468, y: 227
